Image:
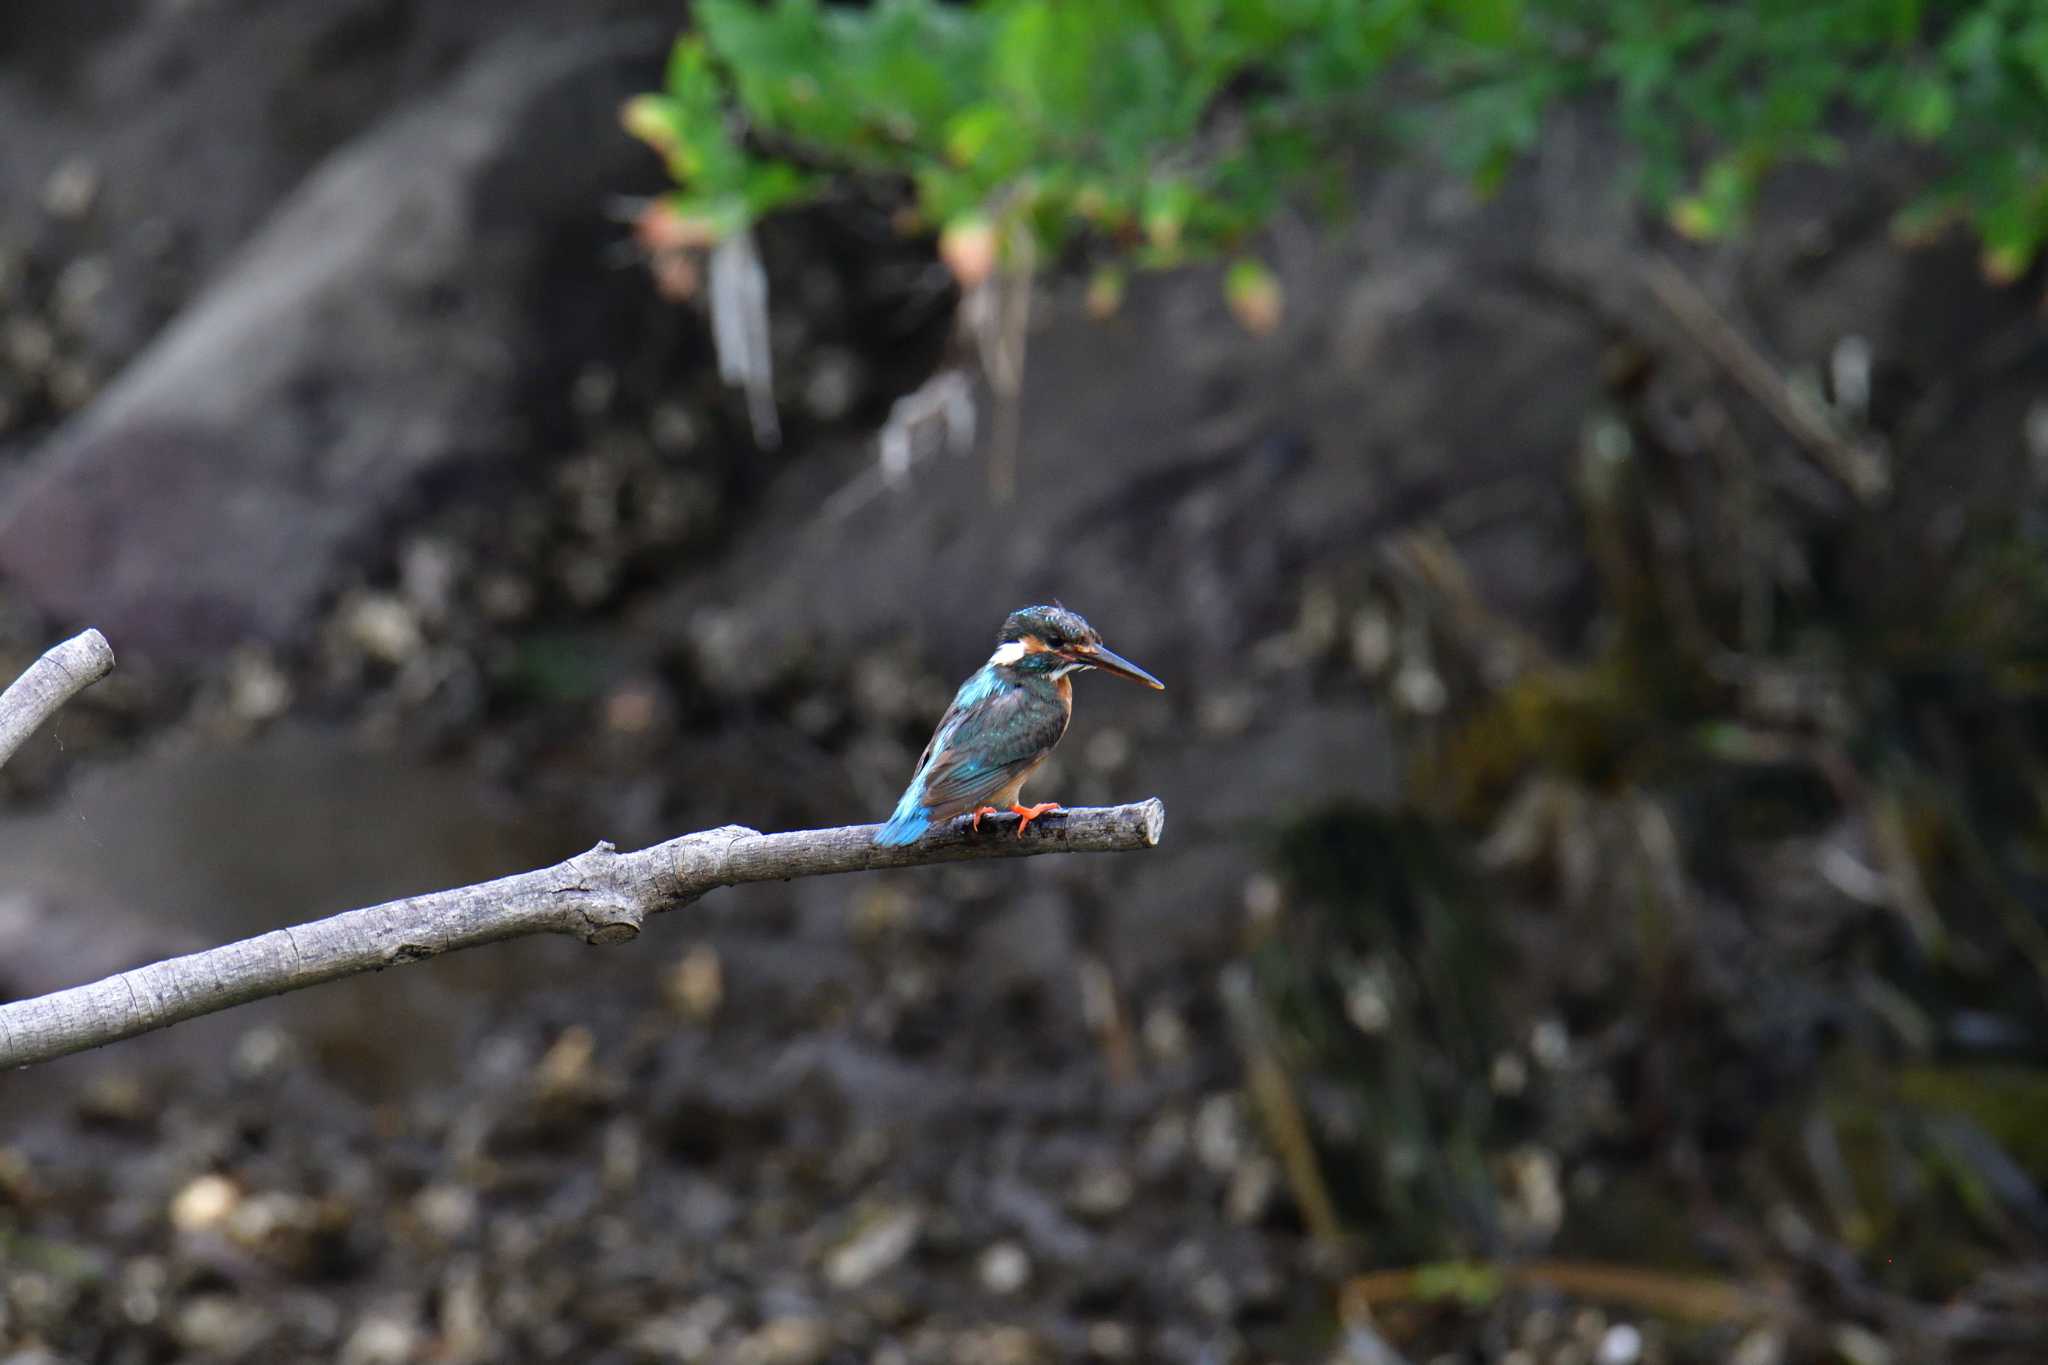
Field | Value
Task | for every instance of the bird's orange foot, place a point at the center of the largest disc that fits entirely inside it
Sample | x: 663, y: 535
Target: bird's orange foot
x: 975, y: 822
x: 1026, y: 814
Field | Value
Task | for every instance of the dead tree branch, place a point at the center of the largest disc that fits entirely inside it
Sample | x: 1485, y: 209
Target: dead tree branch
x: 603, y: 896
x: 61, y: 674
x: 1861, y: 468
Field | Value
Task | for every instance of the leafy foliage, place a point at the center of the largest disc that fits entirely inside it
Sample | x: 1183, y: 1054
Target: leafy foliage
x: 1168, y: 130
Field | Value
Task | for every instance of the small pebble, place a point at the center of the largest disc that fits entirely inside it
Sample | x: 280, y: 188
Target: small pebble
x: 1005, y: 1268
x: 785, y: 1341
x: 79, y: 288
x: 381, y: 1340
x: 1858, y: 1345
x: 1212, y: 1294
x: 258, y: 689
x: 622, y: 1155
x: 565, y: 1071
x: 1419, y: 690
x: 448, y: 1211
x: 219, y: 1325
x: 882, y: 1241
x: 116, y: 1097
x: 696, y: 987
x: 1763, y: 1346
x: 1621, y: 1345
x: 204, y: 1203
x: 71, y: 189
x: 429, y: 572
x: 1263, y: 900
x: 1165, y: 1034
x: 504, y: 598
x: 1111, y: 1341
x: 1165, y: 1144
x: 383, y: 627
x: 1219, y: 1134
x: 1372, y: 641
x: 1252, y: 1187
x: 72, y: 384
x: 672, y: 428
x: 28, y: 345
x: 1550, y: 1044
x: 1368, y: 1003
x: 1100, y: 1191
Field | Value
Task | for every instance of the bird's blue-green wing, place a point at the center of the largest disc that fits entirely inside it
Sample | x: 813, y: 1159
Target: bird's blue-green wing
x: 983, y: 745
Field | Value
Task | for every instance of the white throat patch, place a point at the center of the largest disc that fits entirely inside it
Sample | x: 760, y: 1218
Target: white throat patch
x: 1065, y: 669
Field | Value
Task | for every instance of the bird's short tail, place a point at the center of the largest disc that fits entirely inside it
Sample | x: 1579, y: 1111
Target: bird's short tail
x: 906, y: 826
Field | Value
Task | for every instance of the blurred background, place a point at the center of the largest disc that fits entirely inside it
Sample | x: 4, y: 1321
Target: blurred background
x: 1580, y: 471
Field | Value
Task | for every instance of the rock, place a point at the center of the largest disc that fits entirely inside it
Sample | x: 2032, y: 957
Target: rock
x: 999, y: 1346
x: 785, y: 1341
x: 1004, y: 1268
x: 447, y: 1211
x: 1622, y: 1344
x: 383, y: 627
x: 565, y: 1071
x: 1165, y: 1033
x: 220, y: 1325
x: 383, y: 1339
x: 1854, y: 1343
x: 1102, y: 1191
x: 696, y: 986
x: 1219, y: 1133
x: 687, y: 1334
x: 257, y: 689
x: 368, y: 339
x: 204, y: 1203
x: 117, y: 1099
x: 71, y: 189
x: 881, y: 1241
x: 1760, y: 1346
x: 1111, y: 1341
x: 1253, y: 1186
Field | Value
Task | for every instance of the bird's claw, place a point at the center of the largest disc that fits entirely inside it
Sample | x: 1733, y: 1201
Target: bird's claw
x: 1026, y: 814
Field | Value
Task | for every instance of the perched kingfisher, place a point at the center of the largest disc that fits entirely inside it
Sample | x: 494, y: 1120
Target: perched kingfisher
x: 1003, y: 723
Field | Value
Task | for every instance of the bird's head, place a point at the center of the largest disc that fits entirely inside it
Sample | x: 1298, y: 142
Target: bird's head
x: 1056, y: 641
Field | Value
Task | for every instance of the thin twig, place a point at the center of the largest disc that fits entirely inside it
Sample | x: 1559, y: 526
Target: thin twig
x: 1860, y: 468
x: 1272, y: 1094
x: 1686, y: 1297
x: 61, y: 674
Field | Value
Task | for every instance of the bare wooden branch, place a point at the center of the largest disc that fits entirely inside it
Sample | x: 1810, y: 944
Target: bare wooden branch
x: 602, y: 896
x: 61, y: 674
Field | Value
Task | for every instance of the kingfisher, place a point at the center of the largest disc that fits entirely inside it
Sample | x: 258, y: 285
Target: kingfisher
x: 1003, y: 723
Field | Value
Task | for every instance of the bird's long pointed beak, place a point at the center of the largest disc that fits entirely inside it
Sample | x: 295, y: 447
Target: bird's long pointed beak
x: 1109, y: 661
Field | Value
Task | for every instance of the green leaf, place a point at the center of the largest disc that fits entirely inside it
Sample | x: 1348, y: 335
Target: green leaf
x: 655, y: 120
x: 1169, y: 203
x: 1722, y: 200
x: 1489, y: 23
x: 981, y: 134
x: 1926, y: 218
x: 1160, y: 131
x: 1927, y: 107
x: 1254, y: 296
